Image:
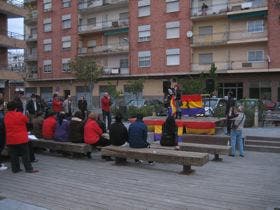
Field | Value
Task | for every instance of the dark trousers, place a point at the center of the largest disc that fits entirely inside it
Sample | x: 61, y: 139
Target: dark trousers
x: 31, y: 151
x: 15, y: 151
x: 103, y: 142
x: 108, y: 116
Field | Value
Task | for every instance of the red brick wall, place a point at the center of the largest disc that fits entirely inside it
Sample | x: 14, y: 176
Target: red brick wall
x: 274, y: 33
x: 3, y: 30
x: 56, y: 34
x: 159, y: 43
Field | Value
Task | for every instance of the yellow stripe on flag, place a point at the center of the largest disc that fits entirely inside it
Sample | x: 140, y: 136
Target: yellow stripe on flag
x: 180, y: 131
x: 210, y: 131
x: 158, y: 129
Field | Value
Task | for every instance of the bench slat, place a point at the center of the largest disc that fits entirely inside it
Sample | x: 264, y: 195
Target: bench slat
x: 157, y: 155
x: 206, y: 139
x: 63, y: 146
x: 207, y: 148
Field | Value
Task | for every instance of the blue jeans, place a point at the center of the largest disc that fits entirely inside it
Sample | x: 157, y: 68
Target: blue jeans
x: 236, y: 138
x: 109, y: 118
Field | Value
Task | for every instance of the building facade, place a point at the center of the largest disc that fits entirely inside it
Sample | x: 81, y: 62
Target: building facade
x: 157, y: 41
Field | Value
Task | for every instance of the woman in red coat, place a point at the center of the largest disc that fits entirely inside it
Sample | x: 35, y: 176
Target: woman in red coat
x: 49, y: 125
x: 93, y: 133
x: 17, y: 138
x: 56, y: 104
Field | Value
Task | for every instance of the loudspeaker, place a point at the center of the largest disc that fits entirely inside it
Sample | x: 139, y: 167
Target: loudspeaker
x: 210, y: 85
x: 165, y: 85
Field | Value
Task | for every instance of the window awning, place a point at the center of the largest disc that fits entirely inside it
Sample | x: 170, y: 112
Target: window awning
x: 247, y: 15
x: 116, y: 31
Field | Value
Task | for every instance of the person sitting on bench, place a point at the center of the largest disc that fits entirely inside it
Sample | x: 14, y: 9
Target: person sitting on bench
x: 76, y: 128
x: 93, y: 133
x: 169, y: 134
x: 137, y: 134
x: 49, y: 124
x: 62, y: 128
x: 118, y: 135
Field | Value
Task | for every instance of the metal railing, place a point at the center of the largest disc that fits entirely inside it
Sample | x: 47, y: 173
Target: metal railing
x: 231, y: 65
x: 224, y: 37
x: 223, y: 8
x: 31, y: 57
x: 110, y: 48
x: 87, y: 4
x: 14, y: 3
x: 13, y: 35
x: 104, y: 25
x: 12, y: 67
x: 107, y: 70
x: 32, y: 16
x: 31, y: 37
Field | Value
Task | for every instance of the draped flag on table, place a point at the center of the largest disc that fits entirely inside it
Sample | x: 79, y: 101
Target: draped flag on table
x: 192, y: 105
x: 200, y: 127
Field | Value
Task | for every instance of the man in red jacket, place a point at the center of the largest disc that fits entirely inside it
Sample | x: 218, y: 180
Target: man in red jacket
x: 49, y: 124
x: 105, y: 106
x: 56, y: 104
x: 17, y: 138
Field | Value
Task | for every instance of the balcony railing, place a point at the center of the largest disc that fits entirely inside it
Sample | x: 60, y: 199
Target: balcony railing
x: 30, y: 57
x: 231, y: 6
x: 30, y: 38
x: 88, y: 4
x: 32, y: 17
x: 228, y: 37
x: 13, y: 67
x: 29, y: 1
x: 231, y: 65
x: 114, y: 24
x: 110, y: 48
x: 12, y: 35
x: 15, y: 3
x: 115, y: 71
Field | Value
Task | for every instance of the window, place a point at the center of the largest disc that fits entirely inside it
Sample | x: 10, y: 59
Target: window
x: 144, y: 33
x: 261, y: 89
x: 47, y: 66
x: 47, y: 5
x: 172, y: 30
x: 144, y: 58
x: 66, y: 42
x: 66, y: 64
x: 91, y: 21
x: 47, y: 25
x: 91, y: 43
x: 172, y: 5
x: 256, y: 56
x: 173, y: 57
x: 123, y: 17
x: 205, y: 30
x: 47, y: 45
x: 124, y: 63
x: 66, y: 21
x: 144, y: 8
x: 205, y: 58
x: 255, y: 26
x: 66, y: 3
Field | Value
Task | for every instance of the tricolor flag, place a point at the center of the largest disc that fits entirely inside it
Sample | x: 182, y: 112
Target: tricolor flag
x: 192, y: 105
x: 173, y: 109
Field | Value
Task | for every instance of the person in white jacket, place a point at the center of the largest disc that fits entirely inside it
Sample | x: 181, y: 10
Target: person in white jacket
x: 236, y: 131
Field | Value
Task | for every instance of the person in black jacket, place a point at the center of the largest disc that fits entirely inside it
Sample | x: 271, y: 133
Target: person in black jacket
x: 118, y: 135
x: 32, y: 107
x: 2, y: 139
x: 82, y: 105
x: 229, y: 105
x: 76, y: 128
x: 169, y: 134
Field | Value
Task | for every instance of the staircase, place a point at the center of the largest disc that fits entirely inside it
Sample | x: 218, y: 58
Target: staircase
x: 262, y: 144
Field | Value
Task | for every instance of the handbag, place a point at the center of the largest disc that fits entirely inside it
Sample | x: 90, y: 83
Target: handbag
x: 234, y: 127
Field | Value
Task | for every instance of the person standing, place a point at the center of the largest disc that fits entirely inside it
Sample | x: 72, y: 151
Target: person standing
x: 236, y: 131
x: 32, y: 107
x: 82, y: 105
x: 105, y: 106
x: 178, y: 102
x: 2, y: 135
x: 67, y: 106
x: 229, y: 105
x: 56, y: 104
x: 17, y: 138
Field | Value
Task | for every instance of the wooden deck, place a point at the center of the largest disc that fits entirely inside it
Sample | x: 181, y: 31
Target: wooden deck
x: 252, y: 182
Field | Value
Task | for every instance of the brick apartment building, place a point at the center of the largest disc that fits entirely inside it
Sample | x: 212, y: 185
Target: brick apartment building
x: 156, y: 40
x: 10, y: 81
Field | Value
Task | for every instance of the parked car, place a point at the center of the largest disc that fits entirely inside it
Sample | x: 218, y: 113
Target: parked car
x: 212, y: 104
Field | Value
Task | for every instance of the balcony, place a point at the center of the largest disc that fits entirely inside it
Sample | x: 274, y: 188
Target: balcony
x: 31, y: 18
x: 232, y: 37
x: 238, y: 65
x: 13, y: 8
x: 29, y: 1
x: 104, y: 50
x: 30, y: 57
x: 215, y: 10
x: 31, y: 38
x: 111, y: 71
x: 12, y: 40
x: 210, y: 40
x: 239, y: 7
x: 99, y: 5
x: 103, y: 26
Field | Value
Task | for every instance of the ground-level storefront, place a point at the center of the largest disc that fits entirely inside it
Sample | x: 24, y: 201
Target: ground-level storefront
x: 252, y: 85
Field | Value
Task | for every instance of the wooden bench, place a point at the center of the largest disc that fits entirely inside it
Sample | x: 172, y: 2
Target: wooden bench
x: 193, y: 147
x: 212, y: 140
x: 187, y: 159
x: 80, y: 148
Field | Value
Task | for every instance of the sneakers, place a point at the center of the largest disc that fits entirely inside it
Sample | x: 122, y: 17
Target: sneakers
x: 3, y: 167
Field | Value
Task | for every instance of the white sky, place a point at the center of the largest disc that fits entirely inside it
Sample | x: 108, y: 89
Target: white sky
x: 15, y: 25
